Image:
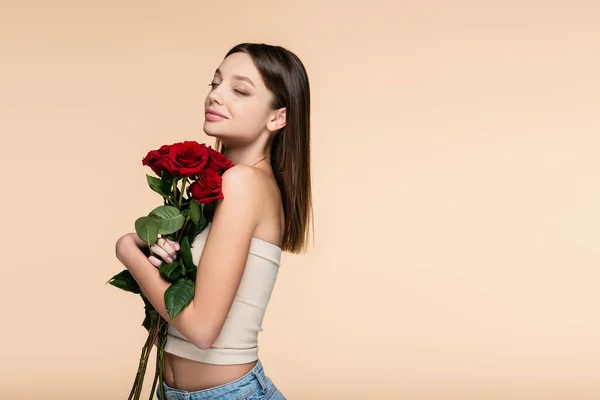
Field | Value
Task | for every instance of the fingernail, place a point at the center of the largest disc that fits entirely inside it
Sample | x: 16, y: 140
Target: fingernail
x: 176, y: 246
x: 169, y: 260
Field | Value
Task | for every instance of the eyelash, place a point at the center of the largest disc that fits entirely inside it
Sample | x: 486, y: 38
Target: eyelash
x: 212, y: 84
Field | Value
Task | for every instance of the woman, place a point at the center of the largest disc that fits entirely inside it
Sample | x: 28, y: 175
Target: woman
x: 258, y: 110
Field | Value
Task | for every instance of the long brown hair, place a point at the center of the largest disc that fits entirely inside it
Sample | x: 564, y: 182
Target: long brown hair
x: 285, y: 77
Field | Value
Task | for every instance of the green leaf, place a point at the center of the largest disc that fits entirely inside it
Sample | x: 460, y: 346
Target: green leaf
x: 146, y: 251
x: 178, y: 296
x: 156, y: 185
x: 166, y: 180
x: 166, y: 177
x: 151, y: 318
x: 171, y: 271
x: 169, y: 219
x: 195, y: 211
x: 147, y: 304
x: 191, y: 274
x: 186, y: 254
x: 194, y: 230
x: 147, y: 229
x: 208, y: 211
x: 124, y: 280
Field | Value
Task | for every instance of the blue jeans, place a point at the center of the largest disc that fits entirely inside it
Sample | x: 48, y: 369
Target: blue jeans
x: 255, y: 385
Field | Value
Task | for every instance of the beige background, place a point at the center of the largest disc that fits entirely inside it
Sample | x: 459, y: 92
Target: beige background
x: 456, y: 188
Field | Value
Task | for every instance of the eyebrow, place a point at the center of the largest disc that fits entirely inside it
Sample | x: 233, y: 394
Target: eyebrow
x: 238, y: 77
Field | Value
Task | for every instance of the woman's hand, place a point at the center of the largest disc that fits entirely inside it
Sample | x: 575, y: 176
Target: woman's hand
x: 164, y: 248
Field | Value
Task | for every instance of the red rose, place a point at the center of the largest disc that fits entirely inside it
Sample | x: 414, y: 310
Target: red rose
x: 207, y: 188
x: 189, y: 158
x: 217, y: 161
x: 159, y: 160
x: 183, y: 159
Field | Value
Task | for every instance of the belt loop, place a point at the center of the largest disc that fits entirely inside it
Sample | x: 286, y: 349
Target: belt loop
x: 261, y: 381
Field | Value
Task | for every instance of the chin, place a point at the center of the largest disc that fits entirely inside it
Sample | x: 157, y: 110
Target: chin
x: 210, y: 131
x: 216, y: 135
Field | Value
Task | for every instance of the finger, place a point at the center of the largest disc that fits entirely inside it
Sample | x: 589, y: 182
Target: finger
x: 160, y: 252
x: 166, y: 244
x: 174, y: 245
x: 170, y: 247
x: 155, y: 261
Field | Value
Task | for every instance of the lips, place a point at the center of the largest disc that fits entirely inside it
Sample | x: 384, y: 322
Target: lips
x: 211, y: 111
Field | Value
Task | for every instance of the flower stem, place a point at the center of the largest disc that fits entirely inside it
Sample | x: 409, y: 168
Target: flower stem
x: 139, y: 378
x: 136, y: 390
x: 144, y: 365
x: 160, y: 354
x: 160, y: 346
x: 182, y: 190
x: 156, y: 373
x: 173, y: 195
x: 183, y: 229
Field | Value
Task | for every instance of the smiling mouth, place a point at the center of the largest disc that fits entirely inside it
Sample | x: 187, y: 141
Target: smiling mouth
x: 214, y: 117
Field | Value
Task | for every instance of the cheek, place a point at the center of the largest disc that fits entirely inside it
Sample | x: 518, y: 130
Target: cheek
x: 257, y: 120
x: 247, y: 113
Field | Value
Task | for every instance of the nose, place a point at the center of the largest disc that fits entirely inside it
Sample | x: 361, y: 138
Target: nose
x: 215, y: 96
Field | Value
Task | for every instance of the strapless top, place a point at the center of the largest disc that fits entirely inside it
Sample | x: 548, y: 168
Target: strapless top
x: 237, y: 342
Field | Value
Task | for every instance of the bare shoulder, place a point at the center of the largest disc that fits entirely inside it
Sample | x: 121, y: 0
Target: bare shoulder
x: 242, y: 181
x: 257, y: 191
x: 242, y: 187
x: 245, y: 180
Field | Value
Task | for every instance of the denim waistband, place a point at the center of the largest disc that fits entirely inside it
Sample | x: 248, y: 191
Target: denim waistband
x: 253, y: 381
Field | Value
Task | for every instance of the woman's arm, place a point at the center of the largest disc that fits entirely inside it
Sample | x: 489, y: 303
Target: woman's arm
x: 225, y: 253
x: 221, y: 264
x: 138, y: 241
x: 154, y: 286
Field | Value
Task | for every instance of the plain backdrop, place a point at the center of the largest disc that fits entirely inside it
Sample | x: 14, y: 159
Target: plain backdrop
x: 456, y: 166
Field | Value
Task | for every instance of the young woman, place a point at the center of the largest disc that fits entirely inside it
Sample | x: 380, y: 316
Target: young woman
x: 258, y: 110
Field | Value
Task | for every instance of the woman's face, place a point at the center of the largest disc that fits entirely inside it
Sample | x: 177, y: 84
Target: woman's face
x: 239, y: 93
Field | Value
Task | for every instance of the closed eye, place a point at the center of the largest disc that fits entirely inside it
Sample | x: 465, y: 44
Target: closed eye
x: 213, y: 84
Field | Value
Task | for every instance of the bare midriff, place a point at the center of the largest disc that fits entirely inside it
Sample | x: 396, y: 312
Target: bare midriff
x: 190, y: 375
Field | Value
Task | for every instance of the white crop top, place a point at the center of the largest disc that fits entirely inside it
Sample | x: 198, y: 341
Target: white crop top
x: 238, y: 341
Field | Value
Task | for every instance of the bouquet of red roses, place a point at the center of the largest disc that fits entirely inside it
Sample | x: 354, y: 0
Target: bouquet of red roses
x: 179, y: 219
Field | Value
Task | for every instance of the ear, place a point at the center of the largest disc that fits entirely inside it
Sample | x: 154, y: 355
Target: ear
x: 277, y: 121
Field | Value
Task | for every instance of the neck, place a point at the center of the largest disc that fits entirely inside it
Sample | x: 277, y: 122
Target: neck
x: 248, y: 156
x: 249, y: 159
